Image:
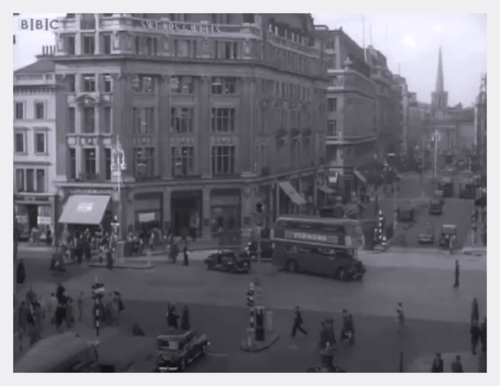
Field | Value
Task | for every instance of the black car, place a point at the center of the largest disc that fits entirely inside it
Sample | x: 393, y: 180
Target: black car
x: 435, y: 206
x: 266, y: 248
x: 177, y: 349
x: 229, y: 261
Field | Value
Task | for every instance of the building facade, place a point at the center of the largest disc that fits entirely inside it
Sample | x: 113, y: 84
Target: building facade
x: 350, y: 135
x: 214, y: 112
x: 35, y: 145
x: 480, y: 123
x: 387, y: 114
x: 403, y: 94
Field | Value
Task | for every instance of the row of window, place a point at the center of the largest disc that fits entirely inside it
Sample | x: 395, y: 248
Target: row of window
x: 182, y: 162
x: 20, y: 110
x: 284, y: 90
x: 30, y: 180
x: 40, y: 142
x: 88, y: 120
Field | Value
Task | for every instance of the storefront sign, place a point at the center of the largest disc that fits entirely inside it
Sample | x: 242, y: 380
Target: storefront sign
x: 146, y: 217
x: 85, y: 207
x: 172, y: 27
x: 43, y: 220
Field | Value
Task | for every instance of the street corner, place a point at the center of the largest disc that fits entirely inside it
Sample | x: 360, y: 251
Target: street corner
x: 249, y: 344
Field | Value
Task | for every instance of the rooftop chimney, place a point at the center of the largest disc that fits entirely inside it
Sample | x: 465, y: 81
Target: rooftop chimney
x: 47, y: 52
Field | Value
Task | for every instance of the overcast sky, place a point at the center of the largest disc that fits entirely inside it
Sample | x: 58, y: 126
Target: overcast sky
x: 410, y: 41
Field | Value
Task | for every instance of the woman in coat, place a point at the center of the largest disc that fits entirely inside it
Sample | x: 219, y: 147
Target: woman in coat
x: 20, y: 272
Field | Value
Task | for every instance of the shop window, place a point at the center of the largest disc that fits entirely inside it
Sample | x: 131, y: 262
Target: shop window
x: 90, y: 164
x: 40, y: 180
x: 181, y: 120
x: 223, y: 120
x: 223, y: 160
x: 19, y: 110
x: 40, y: 143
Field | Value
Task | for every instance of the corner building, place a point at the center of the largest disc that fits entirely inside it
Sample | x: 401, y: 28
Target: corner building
x: 214, y: 113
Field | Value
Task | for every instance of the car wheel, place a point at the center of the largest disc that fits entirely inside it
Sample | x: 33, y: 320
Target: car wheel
x: 291, y: 266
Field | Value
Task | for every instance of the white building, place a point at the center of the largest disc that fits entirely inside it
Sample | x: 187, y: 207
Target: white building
x: 35, y: 144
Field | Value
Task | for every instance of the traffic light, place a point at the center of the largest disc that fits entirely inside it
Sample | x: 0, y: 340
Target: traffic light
x: 250, y: 296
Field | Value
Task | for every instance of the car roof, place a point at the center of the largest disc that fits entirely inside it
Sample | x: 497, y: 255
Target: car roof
x: 173, y: 334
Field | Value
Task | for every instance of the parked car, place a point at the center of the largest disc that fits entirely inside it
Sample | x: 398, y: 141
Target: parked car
x: 228, y: 261
x: 177, y: 349
x: 439, y: 194
x: 427, y: 236
x: 447, y: 230
x: 406, y: 213
x: 435, y: 206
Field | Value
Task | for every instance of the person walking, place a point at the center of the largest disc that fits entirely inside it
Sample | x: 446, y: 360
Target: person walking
x: 456, y: 365
x: 79, y: 306
x: 186, y: 256
x: 172, y: 317
x: 185, y: 322
x: 323, y: 339
x: 475, y: 335
x: 401, y: 318
x: 20, y: 272
x: 331, y: 332
x: 174, y: 252
x: 297, y: 323
x: 51, y: 308
x: 457, y: 274
x: 437, y: 364
x: 474, y: 314
x: 350, y: 329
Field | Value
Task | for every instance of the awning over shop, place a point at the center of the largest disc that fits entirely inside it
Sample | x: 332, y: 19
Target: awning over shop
x: 326, y: 189
x: 360, y: 176
x: 292, y: 193
x: 84, y: 209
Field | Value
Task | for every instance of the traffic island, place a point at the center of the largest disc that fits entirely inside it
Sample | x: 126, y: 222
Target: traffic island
x: 249, y: 344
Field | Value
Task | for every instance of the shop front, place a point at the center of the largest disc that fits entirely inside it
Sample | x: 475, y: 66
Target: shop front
x: 148, y: 212
x: 225, y: 210
x: 186, y: 211
x: 34, y: 216
x: 82, y: 211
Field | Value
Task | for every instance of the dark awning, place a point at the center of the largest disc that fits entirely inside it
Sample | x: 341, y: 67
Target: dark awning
x: 292, y: 193
x: 84, y: 209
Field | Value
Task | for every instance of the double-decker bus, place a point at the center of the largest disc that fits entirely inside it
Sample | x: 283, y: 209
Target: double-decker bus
x: 319, y: 246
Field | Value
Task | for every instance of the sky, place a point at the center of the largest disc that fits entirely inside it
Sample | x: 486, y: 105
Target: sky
x: 410, y: 41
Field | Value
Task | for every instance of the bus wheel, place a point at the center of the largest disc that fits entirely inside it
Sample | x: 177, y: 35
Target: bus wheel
x: 291, y: 266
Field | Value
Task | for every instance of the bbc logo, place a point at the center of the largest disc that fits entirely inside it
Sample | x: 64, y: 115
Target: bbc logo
x: 38, y: 24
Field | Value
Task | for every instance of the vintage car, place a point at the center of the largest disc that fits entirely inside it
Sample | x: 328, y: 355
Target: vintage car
x: 177, y: 349
x: 435, y: 206
x: 228, y: 261
x: 427, y: 236
x: 406, y: 213
x: 266, y: 248
x: 447, y: 230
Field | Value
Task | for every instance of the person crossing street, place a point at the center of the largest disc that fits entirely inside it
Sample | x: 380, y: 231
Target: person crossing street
x: 297, y: 323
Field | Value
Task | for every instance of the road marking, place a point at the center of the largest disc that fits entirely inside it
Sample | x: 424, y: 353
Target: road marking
x: 214, y: 354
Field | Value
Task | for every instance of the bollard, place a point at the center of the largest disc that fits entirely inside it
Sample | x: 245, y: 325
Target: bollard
x: 269, y: 320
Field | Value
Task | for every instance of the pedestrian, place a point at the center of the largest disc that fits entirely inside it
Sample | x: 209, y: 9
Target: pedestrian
x: 172, y: 317
x: 174, y: 251
x: 345, y: 322
x: 475, y: 334
x: 186, y: 256
x: 437, y: 364
x: 297, y: 323
x: 60, y: 316
x: 79, y: 305
x: 31, y: 296
x: 109, y: 259
x: 184, y: 235
x: 20, y: 272
x: 185, y: 323
x: 70, y: 314
x: 401, y: 319
x: 87, y: 250
x: 456, y: 365
x: 482, y: 336
x: 61, y: 294
x: 457, y: 275
x: 474, y: 314
x: 350, y: 329
x: 51, y: 308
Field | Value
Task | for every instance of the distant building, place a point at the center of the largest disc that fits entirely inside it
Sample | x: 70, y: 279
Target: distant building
x: 480, y: 127
x: 35, y: 144
x: 351, y: 133
x: 214, y: 112
x: 401, y: 89
x: 387, y: 117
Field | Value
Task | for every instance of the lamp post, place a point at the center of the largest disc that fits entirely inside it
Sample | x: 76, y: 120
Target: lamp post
x: 117, y: 166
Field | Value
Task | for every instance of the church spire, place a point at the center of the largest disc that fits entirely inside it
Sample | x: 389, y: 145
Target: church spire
x: 440, y: 78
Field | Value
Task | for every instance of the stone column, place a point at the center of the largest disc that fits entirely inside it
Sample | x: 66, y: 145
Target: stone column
x: 206, y: 220
x: 204, y: 148
x: 166, y: 206
x: 164, y: 129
